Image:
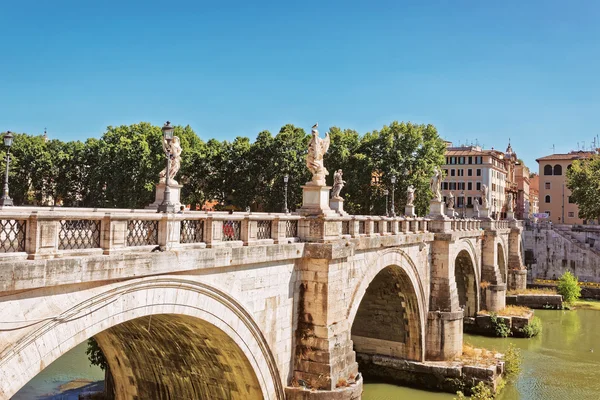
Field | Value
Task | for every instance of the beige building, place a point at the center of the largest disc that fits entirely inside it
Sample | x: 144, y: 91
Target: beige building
x: 554, y: 195
x: 467, y: 169
x: 534, y: 194
x: 523, y: 205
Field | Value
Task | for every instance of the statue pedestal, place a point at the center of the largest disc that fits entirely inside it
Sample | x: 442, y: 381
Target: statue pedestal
x: 315, y: 200
x: 485, y: 214
x: 337, y: 205
x: 510, y: 215
x: 436, y: 209
x: 409, y: 211
x: 160, y: 195
x: 450, y: 212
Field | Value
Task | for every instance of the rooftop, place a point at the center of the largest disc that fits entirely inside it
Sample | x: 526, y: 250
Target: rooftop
x: 573, y: 155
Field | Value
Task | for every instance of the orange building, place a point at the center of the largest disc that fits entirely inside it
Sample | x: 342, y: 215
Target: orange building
x: 555, y: 197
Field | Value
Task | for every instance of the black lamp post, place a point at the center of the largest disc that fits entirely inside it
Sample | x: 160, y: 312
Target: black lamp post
x: 393, y: 180
x: 6, y: 200
x: 286, y: 178
x: 166, y: 205
x: 387, y: 210
x: 464, y: 206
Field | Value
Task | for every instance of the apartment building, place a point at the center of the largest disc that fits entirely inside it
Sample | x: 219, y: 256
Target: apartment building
x: 467, y: 169
x: 555, y: 197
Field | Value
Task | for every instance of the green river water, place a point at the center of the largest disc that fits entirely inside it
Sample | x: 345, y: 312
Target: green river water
x: 563, y: 363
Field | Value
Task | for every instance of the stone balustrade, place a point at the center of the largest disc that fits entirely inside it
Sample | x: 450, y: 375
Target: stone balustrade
x: 27, y: 232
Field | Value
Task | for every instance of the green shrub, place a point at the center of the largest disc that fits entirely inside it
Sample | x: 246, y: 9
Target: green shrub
x: 500, y: 327
x: 95, y: 355
x: 532, y: 329
x: 512, y: 362
x: 568, y: 288
x: 479, y: 392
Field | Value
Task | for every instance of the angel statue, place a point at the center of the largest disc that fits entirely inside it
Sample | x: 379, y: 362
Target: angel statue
x: 338, y: 184
x: 410, y: 195
x: 476, y: 207
x: 509, y: 202
x: 484, y: 196
x: 173, y: 152
x: 435, y: 185
x: 314, y: 158
x: 451, y: 200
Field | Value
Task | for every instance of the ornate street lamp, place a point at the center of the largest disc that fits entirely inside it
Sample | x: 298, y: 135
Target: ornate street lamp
x: 6, y: 200
x: 166, y: 205
x: 286, y: 178
x: 387, y: 210
x: 393, y: 180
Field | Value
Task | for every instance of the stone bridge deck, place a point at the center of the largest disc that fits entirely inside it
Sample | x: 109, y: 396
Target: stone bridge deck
x: 288, y: 298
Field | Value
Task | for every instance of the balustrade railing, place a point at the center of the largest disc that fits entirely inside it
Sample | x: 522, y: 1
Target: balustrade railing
x: 45, y: 233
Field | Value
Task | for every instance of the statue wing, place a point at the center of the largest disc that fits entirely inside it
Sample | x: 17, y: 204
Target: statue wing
x: 326, y: 142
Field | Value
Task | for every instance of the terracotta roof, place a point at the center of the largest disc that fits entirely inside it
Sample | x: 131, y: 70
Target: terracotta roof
x: 570, y: 156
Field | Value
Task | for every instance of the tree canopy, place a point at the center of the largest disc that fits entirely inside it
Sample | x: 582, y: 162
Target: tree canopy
x: 583, y: 179
x: 121, y: 168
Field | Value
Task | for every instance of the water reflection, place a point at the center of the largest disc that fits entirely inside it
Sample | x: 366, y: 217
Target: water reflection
x: 557, y: 365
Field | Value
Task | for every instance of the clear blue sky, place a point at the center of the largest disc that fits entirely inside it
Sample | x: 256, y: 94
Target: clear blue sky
x: 484, y: 70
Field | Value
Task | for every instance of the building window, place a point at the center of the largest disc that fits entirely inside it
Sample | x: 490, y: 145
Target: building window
x: 470, y: 172
x: 569, y: 200
x: 571, y: 214
x: 452, y: 185
x: 445, y: 172
x: 461, y: 172
x: 547, y: 199
x: 557, y: 170
x: 445, y: 186
x: 493, y: 187
x: 547, y: 185
x: 548, y: 170
x: 470, y: 160
x: 478, y: 172
x: 452, y: 172
x: 469, y: 201
x: 469, y: 185
x: 478, y: 185
x: 547, y: 212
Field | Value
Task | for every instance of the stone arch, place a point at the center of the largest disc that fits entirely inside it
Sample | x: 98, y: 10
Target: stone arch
x: 396, y: 328
x: 163, y: 304
x: 467, y: 278
x: 501, y: 262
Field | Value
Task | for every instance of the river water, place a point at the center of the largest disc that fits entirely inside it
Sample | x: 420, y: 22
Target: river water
x: 562, y: 363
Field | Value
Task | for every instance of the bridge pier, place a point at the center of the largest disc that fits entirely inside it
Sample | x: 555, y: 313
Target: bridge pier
x: 493, y: 287
x: 517, y: 272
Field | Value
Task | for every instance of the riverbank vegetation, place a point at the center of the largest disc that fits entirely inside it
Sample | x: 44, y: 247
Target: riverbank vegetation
x: 509, y: 311
x: 587, y: 304
x: 568, y: 288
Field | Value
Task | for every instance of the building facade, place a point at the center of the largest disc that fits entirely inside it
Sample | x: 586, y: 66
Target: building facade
x: 555, y: 197
x: 523, y: 205
x: 467, y: 169
x: 534, y: 194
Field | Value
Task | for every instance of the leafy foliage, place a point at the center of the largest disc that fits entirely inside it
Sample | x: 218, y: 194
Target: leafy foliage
x: 121, y: 168
x: 583, y: 179
x: 95, y: 354
x: 568, y: 288
x: 479, y: 392
x: 499, y: 325
x: 512, y: 363
x: 533, y: 328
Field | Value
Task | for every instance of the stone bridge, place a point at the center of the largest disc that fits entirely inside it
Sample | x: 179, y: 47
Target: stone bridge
x: 245, y: 305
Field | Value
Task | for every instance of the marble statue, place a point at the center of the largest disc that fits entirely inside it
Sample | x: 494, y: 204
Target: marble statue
x: 410, y: 195
x: 509, y: 202
x: 450, y: 200
x: 436, y: 184
x: 314, y: 158
x: 484, y: 196
x: 338, y: 184
x: 476, y: 207
x: 173, y: 149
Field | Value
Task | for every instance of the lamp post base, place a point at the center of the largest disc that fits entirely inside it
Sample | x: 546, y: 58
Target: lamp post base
x: 175, y: 191
x: 166, y: 208
x: 6, y: 201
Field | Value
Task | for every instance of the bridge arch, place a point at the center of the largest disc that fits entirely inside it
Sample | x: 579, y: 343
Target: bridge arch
x: 395, y: 327
x: 501, y: 261
x: 169, y: 307
x: 467, y: 277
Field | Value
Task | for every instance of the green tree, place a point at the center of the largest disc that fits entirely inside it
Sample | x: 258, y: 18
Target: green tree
x: 568, y: 288
x: 583, y: 179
